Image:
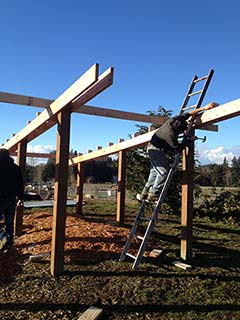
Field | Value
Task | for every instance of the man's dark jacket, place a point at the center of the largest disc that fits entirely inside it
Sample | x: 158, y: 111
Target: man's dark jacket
x: 11, y: 181
x: 166, y: 137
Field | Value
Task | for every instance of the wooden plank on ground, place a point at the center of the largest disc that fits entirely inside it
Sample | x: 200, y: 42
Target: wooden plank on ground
x: 92, y: 313
x: 155, y: 253
x: 182, y: 265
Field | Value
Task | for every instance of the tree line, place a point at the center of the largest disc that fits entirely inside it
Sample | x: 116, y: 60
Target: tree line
x: 220, y: 175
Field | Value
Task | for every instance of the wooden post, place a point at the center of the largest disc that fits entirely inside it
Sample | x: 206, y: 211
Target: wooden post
x: 21, y: 160
x: 187, y: 202
x: 80, y: 181
x: 121, y: 186
x: 60, y: 193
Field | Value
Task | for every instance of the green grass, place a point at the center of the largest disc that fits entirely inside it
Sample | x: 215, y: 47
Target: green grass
x: 157, y: 290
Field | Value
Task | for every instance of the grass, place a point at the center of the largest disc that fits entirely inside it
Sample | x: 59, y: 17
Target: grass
x: 157, y: 290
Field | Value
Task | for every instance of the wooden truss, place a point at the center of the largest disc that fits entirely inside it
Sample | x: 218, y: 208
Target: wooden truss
x: 58, y: 112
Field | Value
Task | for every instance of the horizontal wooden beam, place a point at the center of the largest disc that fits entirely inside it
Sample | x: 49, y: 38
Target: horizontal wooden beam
x: 37, y: 155
x: 223, y: 112
x: 41, y: 123
x: 85, y: 109
x: 127, y: 144
x: 118, y: 114
x: 206, y: 118
x: 24, y: 100
x: 48, y: 118
x: 90, y: 110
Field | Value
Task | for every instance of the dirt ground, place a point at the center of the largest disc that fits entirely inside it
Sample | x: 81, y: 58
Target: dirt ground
x: 93, y: 276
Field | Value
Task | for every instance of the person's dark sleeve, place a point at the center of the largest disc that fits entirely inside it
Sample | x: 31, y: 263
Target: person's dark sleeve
x: 172, y: 141
x: 185, y: 143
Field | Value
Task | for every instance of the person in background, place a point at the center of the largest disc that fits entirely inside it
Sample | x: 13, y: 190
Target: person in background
x: 164, y: 141
x: 11, y: 193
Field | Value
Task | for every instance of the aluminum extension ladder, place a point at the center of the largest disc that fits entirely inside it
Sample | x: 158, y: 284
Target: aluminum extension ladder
x: 199, y: 96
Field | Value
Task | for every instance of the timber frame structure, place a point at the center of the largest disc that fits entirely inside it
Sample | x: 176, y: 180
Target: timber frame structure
x: 58, y: 112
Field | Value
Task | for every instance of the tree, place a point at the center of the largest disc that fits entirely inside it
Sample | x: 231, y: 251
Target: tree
x: 235, y: 171
x: 48, y: 171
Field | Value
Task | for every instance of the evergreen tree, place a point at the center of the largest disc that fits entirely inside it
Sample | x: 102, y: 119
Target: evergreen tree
x: 235, y: 171
x: 48, y: 172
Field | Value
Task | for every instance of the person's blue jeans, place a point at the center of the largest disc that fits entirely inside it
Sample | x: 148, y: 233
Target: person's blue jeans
x: 7, y: 207
x: 158, y: 171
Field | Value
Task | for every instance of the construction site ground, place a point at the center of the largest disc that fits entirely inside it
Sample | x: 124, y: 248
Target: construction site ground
x: 93, y: 276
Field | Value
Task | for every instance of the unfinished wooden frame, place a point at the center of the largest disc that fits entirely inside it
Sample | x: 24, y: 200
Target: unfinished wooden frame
x: 59, y: 111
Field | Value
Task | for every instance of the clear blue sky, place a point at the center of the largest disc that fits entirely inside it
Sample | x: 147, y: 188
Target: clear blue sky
x: 155, y: 47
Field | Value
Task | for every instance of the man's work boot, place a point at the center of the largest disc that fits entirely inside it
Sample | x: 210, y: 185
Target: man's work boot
x: 152, y: 197
x: 142, y: 196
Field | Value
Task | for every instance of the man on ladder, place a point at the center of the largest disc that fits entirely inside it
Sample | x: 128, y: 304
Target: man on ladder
x: 163, y: 141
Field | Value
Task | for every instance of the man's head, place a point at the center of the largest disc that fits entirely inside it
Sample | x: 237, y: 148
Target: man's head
x: 180, y: 124
x: 4, y: 154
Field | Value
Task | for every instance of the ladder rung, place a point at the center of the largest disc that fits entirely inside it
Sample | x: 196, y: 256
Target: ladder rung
x: 130, y: 255
x: 200, y: 79
x: 140, y: 238
x: 190, y: 107
x: 194, y: 93
x: 145, y: 219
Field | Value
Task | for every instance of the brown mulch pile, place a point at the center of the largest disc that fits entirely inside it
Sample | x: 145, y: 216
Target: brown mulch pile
x: 86, y: 241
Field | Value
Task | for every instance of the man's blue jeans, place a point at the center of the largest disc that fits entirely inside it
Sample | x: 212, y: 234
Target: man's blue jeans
x: 7, y: 207
x: 158, y: 171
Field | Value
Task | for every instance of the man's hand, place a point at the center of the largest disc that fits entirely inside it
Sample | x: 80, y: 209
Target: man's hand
x: 211, y: 105
x: 20, y: 203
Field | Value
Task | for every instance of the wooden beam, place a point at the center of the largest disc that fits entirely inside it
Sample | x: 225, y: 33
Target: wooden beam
x: 37, y: 155
x: 127, y: 144
x: 92, y: 313
x: 24, y: 100
x: 223, y: 112
x: 80, y: 183
x: 43, y: 121
x: 21, y: 160
x: 121, y: 186
x: 90, y: 110
x: 187, y: 202
x: 118, y: 114
x: 60, y: 193
x: 85, y: 109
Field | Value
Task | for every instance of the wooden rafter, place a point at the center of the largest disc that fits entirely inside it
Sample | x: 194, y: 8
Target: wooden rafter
x: 223, y: 112
x: 217, y: 114
x: 48, y: 117
x: 24, y: 100
x: 37, y: 155
x: 127, y: 144
x: 89, y: 110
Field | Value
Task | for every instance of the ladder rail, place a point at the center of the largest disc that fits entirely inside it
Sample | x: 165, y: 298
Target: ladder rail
x: 157, y: 209
x: 132, y: 232
x: 205, y: 87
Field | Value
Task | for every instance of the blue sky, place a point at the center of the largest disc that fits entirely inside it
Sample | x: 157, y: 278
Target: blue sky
x: 155, y: 47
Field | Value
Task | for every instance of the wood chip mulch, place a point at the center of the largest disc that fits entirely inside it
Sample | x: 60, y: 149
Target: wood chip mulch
x: 85, y: 241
